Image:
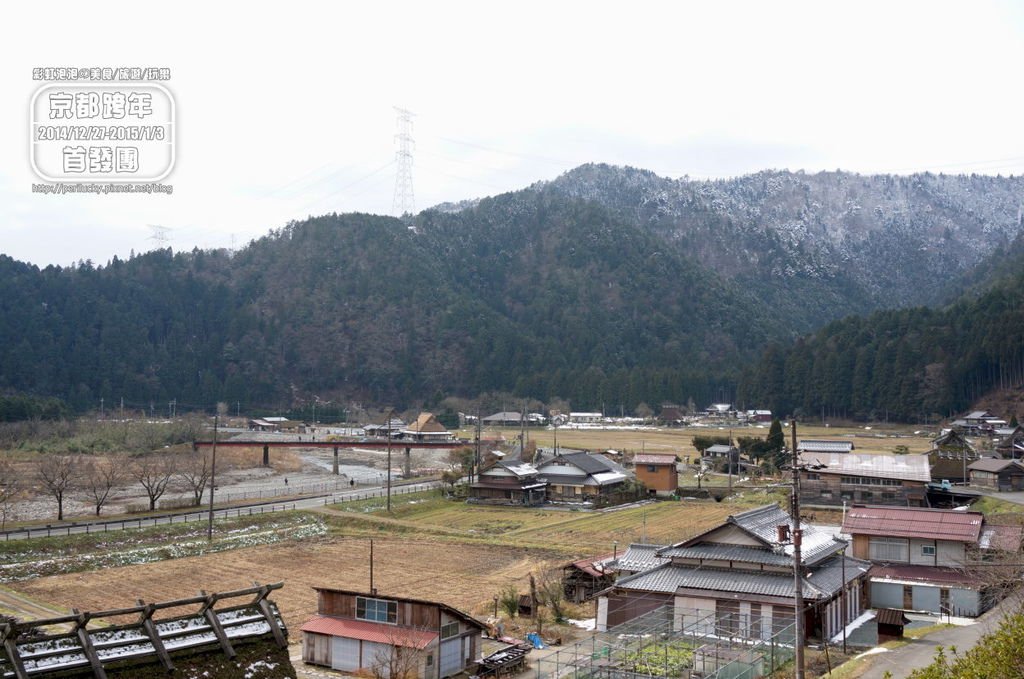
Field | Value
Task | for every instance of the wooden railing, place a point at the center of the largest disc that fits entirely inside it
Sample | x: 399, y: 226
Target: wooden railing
x: 31, y: 654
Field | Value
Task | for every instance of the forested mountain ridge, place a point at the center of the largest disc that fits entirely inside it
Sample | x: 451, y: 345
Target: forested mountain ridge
x: 819, y: 246
x: 909, y: 365
x: 607, y: 286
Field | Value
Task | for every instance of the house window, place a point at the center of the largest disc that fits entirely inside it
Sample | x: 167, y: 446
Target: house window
x: 450, y: 630
x: 888, y: 549
x: 846, y: 494
x: 927, y: 550
x: 376, y: 610
x: 430, y: 659
x: 811, y: 476
x: 651, y: 468
x: 866, y: 495
x: 944, y: 601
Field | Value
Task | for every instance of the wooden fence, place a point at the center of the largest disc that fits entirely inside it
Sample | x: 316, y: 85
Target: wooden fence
x: 28, y: 653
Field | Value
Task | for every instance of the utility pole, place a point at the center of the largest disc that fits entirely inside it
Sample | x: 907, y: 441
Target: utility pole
x: 404, y: 201
x: 798, y: 581
x: 476, y: 462
x: 388, y: 425
x: 213, y: 477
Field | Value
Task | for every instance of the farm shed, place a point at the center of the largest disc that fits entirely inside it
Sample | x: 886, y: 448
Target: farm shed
x: 1002, y: 475
x: 356, y: 631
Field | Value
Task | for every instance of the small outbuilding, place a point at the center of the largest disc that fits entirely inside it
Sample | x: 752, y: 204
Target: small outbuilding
x: 1003, y: 475
x: 890, y: 622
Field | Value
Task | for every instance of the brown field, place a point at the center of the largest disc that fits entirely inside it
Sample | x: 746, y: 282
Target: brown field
x: 452, y: 552
x: 466, y: 576
x: 878, y: 439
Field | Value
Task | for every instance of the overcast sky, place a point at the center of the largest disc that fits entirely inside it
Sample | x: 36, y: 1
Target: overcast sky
x: 286, y: 110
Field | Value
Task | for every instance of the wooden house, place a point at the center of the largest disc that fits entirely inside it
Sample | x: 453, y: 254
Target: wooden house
x: 580, y: 477
x: 950, y: 455
x: 737, y: 579
x: 509, y: 482
x: 426, y: 428
x: 919, y: 556
x: 1009, y: 442
x: 1002, y: 475
x: 390, y: 636
x: 657, y: 472
x: 584, y: 578
x: 858, y: 477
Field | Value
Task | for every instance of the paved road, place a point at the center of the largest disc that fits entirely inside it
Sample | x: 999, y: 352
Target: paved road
x: 203, y: 515
x: 920, y: 652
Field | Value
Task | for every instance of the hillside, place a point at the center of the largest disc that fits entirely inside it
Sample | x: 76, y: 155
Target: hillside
x: 607, y: 286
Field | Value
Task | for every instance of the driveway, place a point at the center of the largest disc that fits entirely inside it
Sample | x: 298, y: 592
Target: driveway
x: 920, y: 652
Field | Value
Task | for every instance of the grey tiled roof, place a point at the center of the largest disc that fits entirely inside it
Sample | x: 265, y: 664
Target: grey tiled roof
x: 640, y: 557
x: 763, y: 522
x: 821, y: 583
x: 828, y: 576
x: 724, y: 552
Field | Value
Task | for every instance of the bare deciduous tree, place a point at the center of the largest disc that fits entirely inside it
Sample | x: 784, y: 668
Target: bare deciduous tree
x: 551, y: 592
x: 195, y: 474
x: 10, y: 490
x: 154, y: 473
x: 59, y: 475
x: 402, y: 656
x: 100, y: 479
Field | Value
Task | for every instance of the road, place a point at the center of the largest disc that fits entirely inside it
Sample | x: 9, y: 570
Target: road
x: 900, y: 662
x: 309, y: 502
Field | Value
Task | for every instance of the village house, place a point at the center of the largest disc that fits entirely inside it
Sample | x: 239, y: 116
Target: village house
x: 919, y: 557
x: 671, y: 415
x: 581, y: 477
x: 1002, y: 475
x: 738, y: 579
x: 426, y: 428
x: 390, y: 636
x: 585, y: 418
x: 657, y: 472
x: 979, y: 422
x: 584, y: 578
x: 509, y: 482
x: 871, y: 479
x: 950, y: 456
x: 639, y: 557
x: 506, y: 418
x: 1009, y: 442
x: 394, y: 426
x: 761, y: 416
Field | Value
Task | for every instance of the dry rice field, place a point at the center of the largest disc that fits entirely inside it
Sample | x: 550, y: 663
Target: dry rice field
x: 481, y: 551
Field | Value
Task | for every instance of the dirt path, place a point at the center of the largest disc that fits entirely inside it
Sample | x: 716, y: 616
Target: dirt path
x: 24, y: 608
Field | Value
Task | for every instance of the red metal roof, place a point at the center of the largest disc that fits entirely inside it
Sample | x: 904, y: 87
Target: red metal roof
x: 590, y: 566
x: 933, y: 574
x: 914, y: 522
x: 653, y: 458
x: 369, y: 631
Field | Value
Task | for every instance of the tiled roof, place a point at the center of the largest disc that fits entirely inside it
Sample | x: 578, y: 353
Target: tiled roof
x: 903, y: 467
x: 914, y: 522
x: 738, y: 553
x: 370, y: 631
x: 640, y: 557
x: 763, y: 523
x: 821, y: 583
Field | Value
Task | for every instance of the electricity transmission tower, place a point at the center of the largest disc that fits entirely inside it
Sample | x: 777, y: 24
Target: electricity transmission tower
x: 159, y: 235
x: 404, y: 201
